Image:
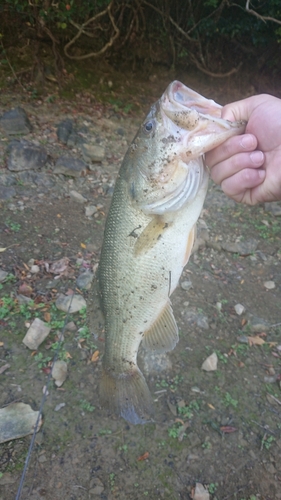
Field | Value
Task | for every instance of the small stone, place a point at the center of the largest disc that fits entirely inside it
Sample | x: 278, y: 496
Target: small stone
x: 239, y: 309
x: 244, y: 248
x: 64, y: 130
x: 71, y: 327
x: 36, y: 334
x: 77, y: 303
x: 200, y: 493
x: 84, y: 281
x: 90, y: 210
x: 59, y: 406
x: 34, y: 269
x: 274, y: 208
x: 42, y: 459
x: 269, y: 285
x: 96, y: 487
x: 77, y: 197
x: 7, y: 478
x: 93, y: 152
x: 211, y: 363
x: 153, y: 362
x: 257, y: 324
x: 186, y: 285
x: 67, y: 165
x: 59, y: 372
x: 3, y: 275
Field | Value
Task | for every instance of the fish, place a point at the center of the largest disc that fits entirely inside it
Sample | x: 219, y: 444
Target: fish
x: 148, y: 238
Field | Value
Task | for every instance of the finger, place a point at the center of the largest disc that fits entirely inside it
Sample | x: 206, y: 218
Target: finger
x: 240, y: 185
x: 235, y: 164
x: 232, y: 146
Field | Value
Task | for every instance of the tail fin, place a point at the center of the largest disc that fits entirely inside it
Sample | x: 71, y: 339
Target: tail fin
x: 127, y: 394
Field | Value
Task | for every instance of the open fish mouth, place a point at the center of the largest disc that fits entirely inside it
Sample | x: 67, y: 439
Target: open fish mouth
x: 199, y: 116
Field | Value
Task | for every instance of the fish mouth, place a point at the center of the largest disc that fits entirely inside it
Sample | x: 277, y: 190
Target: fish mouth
x: 198, y: 118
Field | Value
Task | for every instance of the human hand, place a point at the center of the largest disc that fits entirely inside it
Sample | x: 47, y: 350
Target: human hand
x: 248, y: 167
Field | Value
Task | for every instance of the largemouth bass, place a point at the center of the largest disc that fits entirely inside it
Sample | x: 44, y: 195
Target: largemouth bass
x: 149, y: 234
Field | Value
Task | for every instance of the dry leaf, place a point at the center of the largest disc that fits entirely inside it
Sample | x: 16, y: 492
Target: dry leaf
x: 143, y: 457
x: 95, y: 356
x: 82, y: 245
x: 211, y: 406
x: 4, y: 368
x: 1, y: 344
x: 68, y: 355
x: 255, y: 341
x: 227, y: 429
x: 47, y: 317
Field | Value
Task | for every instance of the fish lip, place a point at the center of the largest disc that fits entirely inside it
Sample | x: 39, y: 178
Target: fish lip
x: 179, y: 99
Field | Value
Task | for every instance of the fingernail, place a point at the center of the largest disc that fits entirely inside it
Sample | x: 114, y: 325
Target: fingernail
x: 257, y: 157
x: 247, y: 142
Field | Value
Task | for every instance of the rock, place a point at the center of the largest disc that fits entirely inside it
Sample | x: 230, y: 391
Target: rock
x: 90, y: 210
x: 22, y: 299
x: 186, y: 285
x: 3, y: 275
x: 77, y: 303
x: 59, y: 406
x: 269, y: 285
x: 211, y: 363
x: 23, y: 155
x: 71, y: 327
x: 77, y: 197
x: 257, y: 324
x: 96, y: 487
x: 34, y: 269
x: 274, y: 208
x: 17, y: 420
x: 67, y: 165
x: 7, y: 180
x: 15, y: 121
x: 7, y: 192
x: 242, y: 247
x: 200, y: 493
x: 84, y: 280
x: 75, y: 139
x: 36, y: 334
x: 93, y: 152
x: 239, y: 309
x: 59, y: 372
x: 192, y: 317
x: 153, y: 362
x: 64, y: 130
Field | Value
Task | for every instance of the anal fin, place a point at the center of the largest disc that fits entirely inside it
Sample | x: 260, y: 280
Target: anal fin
x: 163, y: 334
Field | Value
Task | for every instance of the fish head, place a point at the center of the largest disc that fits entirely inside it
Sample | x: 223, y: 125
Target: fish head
x: 167, y: 154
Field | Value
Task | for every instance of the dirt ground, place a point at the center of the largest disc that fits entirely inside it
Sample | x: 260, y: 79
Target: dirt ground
x: 220, y: 428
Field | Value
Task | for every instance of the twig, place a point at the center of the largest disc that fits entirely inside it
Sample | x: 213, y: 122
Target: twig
x: 262, y: 18
x: 11, y: 67
x: 81, y: 30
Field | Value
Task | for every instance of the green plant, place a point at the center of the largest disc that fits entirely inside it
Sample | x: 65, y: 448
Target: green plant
x: 229, y: 401
x: 206, y: 445
x: 267, y: 442
x: 212, y: 488
x: 86, y: 406
x: 123, y: 448
x: 104, y: 432
x: 41, y: 360
x: 112, y: 478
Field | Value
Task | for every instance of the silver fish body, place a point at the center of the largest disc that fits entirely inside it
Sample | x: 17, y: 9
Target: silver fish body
x: 149, y: 234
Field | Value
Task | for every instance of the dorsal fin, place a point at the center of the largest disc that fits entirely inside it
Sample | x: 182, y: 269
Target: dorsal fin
x: 163, y: 335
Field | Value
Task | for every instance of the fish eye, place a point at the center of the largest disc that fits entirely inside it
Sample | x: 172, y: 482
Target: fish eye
x: 148, y: 126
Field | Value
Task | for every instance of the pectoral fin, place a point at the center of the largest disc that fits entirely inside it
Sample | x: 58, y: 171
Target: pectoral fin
x: 150, y: 235
x: 189, y: 245
x: 163, y: 335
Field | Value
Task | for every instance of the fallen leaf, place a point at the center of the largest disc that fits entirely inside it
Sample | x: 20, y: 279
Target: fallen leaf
x: 95, y: 356
x: 82, y: 245
x: 68, y: 355
x: 47, y: 317
x: 3, y: 249
x: 211, y: 406
x: 255, y: 341
x: 143, y: 457
x: 4, y: 368
x: 1, y: 344
x: 59, y: 216
x: 227, y: 429
x: 25, y: 289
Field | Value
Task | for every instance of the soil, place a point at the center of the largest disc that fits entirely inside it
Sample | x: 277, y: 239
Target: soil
x: 220, y: 428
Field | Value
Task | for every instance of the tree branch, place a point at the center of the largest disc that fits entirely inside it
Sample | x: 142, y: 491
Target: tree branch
x: 262, y: 18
